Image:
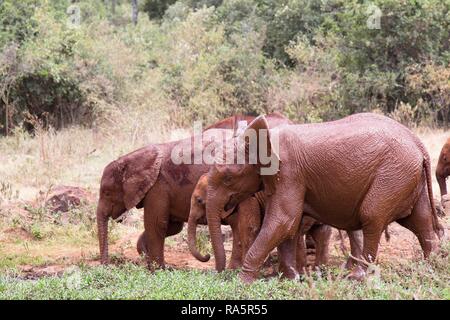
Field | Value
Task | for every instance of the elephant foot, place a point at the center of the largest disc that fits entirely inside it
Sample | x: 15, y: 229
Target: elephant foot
x: 302, y: 270
x: 104, y: 260
x: 349, y: 264
x: 289, y: 272
x: 153, y: 266
x: 248, y: 277
x: 357, y: 274
x: 234, y: 265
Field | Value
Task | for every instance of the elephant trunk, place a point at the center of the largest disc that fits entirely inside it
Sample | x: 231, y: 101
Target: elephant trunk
x: 213, y: 214
x: 192, y: 239
x: 102, y: 227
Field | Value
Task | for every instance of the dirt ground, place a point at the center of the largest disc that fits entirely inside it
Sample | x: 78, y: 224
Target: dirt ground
x: 403, y: 246
x: 50, y: 256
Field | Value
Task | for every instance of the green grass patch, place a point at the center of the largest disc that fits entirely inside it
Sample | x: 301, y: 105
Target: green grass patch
x: 415, y: 280
x: 9, y: 261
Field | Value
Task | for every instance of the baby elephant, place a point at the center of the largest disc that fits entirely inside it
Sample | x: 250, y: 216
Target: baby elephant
x: 443, y: 171
x: 245, y: 220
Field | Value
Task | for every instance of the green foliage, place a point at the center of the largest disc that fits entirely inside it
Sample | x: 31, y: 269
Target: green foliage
x: 375, y: 61
x: 156, y: 8
x: 313, y: 60
x: 16, y: 20
x: 288, y: 19
x: 207, y: 76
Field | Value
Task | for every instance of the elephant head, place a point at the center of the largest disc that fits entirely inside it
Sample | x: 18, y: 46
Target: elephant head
x: 443, y: 167
x: 124, y: 184
x: 229, y: 184
x: 198, y: 212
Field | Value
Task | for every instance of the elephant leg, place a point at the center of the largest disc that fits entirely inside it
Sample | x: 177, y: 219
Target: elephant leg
x: 321, y: 234
x: 174, y: 228
x: 301, y: 254
x: 236, y: 254
x: 249, y: 223
x: 420, y: 222
x: 375, y: 212
x: 302, y: 243
x: 156, y: 223
x: 281, y: 222
x: 371, y: 240
x: 141, y: 245
x: 356, y: 246
x: 287, y: 257
x: 373, y: 226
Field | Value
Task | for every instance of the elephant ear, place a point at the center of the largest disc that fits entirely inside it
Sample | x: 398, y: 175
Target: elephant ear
x: 140, y: 171
x: 265, y: 152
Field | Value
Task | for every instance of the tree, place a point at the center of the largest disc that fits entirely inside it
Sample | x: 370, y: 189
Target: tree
x: 135, y: 11
x: 156, y: 8
x: 9, y: 72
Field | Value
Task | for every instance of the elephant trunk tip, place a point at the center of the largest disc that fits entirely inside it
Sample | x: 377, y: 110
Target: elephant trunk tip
x: 102, y: 229
x: 205, y: 258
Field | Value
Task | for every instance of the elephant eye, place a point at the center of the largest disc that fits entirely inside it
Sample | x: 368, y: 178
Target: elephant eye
x: 199, y: 200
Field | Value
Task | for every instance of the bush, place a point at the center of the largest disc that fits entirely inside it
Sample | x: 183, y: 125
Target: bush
x: 208, y: 76
x: 16, y: 21
x: 209, y: 59
x: 156, y: 8
x: 374, y: 61
x: 428, y: 86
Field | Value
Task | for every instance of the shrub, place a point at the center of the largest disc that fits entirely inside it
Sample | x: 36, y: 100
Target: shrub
x: 428, y: 86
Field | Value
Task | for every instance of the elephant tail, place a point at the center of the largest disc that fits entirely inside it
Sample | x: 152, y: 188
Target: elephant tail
x: 436, y: 225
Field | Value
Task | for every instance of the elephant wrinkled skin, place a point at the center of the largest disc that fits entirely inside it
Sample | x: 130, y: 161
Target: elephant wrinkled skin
x: 361, y: 172
x: 148, y: 178
x: 245, y: 221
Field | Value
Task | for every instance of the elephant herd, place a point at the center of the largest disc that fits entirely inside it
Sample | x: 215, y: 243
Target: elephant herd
x: 357, y: 174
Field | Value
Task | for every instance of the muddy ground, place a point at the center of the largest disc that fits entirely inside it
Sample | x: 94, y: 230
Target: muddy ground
x: 402, y: 247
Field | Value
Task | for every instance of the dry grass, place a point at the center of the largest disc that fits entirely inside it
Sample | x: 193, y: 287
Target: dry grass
x: 433, y: 140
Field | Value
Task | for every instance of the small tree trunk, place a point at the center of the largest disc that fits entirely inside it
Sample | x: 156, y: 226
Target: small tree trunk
x: 6, y: 119
x: 134, y: 13
x: 113, y: 7
x: 5, y: 99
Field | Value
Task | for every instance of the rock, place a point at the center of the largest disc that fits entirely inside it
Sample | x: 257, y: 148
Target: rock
x: 62, y: 198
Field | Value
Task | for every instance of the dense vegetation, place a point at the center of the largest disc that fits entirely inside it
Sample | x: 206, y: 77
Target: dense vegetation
x: 84, y: 62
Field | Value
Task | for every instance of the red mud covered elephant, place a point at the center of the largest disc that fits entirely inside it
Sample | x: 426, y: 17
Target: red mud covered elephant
x: 148, y: 178
x: 361, y: 172
x: 443, y: 168
x: 245, y: 221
